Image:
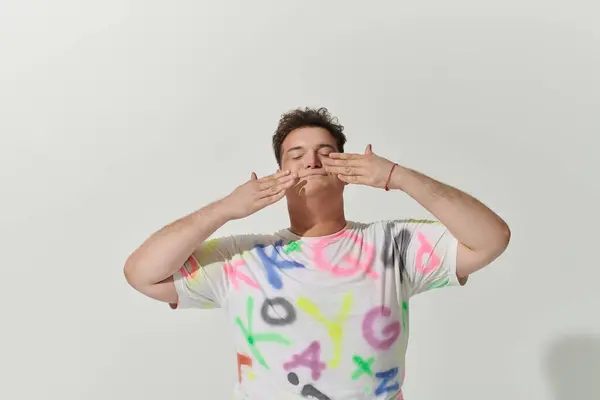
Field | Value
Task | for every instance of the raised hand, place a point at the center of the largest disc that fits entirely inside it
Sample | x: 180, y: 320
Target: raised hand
x: 257, y: 194
x: 362, y: 169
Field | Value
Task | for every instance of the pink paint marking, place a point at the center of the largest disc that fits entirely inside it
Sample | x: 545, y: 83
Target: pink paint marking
x: 234, y: 275
x: 390, y: 332
x: 310, y: 358
x: 358, y: 264
x: 426, y: 249
x: 190, y: 268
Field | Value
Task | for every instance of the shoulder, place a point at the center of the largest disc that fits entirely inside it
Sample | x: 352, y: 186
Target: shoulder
x: 386, y: 224
x: 394, y: 227
x: 226, y: 247
x: 245, y: 240
x: 241, y: 242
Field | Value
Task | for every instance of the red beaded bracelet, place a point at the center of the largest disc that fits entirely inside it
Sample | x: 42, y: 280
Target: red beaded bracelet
x: 387, y: 188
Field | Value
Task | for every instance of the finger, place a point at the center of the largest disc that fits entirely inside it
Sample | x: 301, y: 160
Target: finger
x: 347, y: 170
x: 354, y: 179
x: 276, y: 182
x: 349, y: 162
x: 274, y: 176
x: 273, y: 189
x: 345, y: 156
x: 274, y: 198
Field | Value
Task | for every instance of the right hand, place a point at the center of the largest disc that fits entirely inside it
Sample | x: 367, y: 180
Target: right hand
x: 257, y: 194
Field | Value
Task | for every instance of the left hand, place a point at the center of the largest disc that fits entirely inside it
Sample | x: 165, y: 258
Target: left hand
x: 363, y: 169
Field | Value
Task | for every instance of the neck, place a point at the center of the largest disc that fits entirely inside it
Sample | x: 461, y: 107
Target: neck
x: 317, y: 216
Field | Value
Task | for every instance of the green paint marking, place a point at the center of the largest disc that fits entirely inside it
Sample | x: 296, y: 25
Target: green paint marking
x: 211, y: 244
x: 363, y: 367
x: 421, y: 221
x: 404, y: 314
x: 293, y: 246
x: 253, y: 338
x: 439, y: 283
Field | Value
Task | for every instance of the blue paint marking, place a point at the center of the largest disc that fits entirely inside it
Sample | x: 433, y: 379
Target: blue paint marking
x: 387, y: 377
x: 274, y: 261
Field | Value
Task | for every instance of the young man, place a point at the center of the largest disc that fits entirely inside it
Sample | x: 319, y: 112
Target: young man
x: 320, y: 309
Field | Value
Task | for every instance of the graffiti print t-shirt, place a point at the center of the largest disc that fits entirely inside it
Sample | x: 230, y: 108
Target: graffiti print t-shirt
x: 320, y: 317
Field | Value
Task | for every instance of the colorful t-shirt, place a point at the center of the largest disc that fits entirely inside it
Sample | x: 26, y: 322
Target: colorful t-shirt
x: 320, y: 317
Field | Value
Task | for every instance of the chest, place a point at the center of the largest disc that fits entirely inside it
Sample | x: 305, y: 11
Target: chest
x: 328, y: 336
x: 326, y: 315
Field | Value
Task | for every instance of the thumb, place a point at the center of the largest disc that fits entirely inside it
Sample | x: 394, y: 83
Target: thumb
x: 253, y: 177
x: 369, y: 149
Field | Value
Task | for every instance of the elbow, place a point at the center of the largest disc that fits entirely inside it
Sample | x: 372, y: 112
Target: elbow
x: 129, y: 272
x: 471, y: 260
x: 502, y: 240
x: 497, y: 243
x: 505, y: 236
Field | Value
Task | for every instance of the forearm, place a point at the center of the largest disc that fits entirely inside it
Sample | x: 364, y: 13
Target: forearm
x: 165, y: 251
x: 471, y: 222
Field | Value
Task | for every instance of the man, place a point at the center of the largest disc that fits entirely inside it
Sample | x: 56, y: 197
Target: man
x: 320, y: 309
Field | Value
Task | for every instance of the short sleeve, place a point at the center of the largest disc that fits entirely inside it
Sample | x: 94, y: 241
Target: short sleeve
x: 427, y: 254
x: 201, y: 282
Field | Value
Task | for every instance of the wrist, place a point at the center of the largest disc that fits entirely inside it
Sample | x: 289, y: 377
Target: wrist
x: 398, y: 177
x: 218, y: 212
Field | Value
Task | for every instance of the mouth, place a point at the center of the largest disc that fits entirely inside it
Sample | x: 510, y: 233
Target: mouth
x: 315, y: 175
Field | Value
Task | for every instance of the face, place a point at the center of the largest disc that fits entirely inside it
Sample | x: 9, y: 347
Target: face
x: 302, y: 152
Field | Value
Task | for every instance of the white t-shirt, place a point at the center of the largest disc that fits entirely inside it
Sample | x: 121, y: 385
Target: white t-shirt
x: 326, y: 317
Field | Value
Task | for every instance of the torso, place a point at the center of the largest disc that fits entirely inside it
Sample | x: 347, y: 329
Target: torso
x: 321, y: 317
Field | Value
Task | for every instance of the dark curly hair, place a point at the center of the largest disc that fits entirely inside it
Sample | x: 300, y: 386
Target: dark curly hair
x: 307, y: 117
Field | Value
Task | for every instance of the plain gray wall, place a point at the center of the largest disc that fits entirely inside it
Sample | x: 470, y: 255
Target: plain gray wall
x: 117, y: 117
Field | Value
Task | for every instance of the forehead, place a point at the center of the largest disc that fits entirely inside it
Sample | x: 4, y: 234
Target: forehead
x: 308, y: 137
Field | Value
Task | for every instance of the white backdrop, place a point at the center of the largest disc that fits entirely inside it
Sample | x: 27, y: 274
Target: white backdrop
x: 117, y: 117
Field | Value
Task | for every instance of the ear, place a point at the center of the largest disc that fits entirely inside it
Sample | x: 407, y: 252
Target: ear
x: 253, y: 177
x: 368, y: 150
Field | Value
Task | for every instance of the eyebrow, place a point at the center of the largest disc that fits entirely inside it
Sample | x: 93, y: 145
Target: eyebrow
x: 321, y: 146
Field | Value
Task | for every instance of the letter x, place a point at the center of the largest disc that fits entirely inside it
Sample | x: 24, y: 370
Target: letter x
x: 362, y: 367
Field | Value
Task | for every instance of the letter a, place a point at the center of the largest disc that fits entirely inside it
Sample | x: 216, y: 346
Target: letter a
x: 310, y: 358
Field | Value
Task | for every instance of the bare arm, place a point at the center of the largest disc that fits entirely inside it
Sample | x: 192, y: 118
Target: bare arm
x: 149, y: 269
x: 482, y: 234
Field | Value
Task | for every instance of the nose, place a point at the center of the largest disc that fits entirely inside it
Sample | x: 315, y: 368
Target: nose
x: 313, y: 161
